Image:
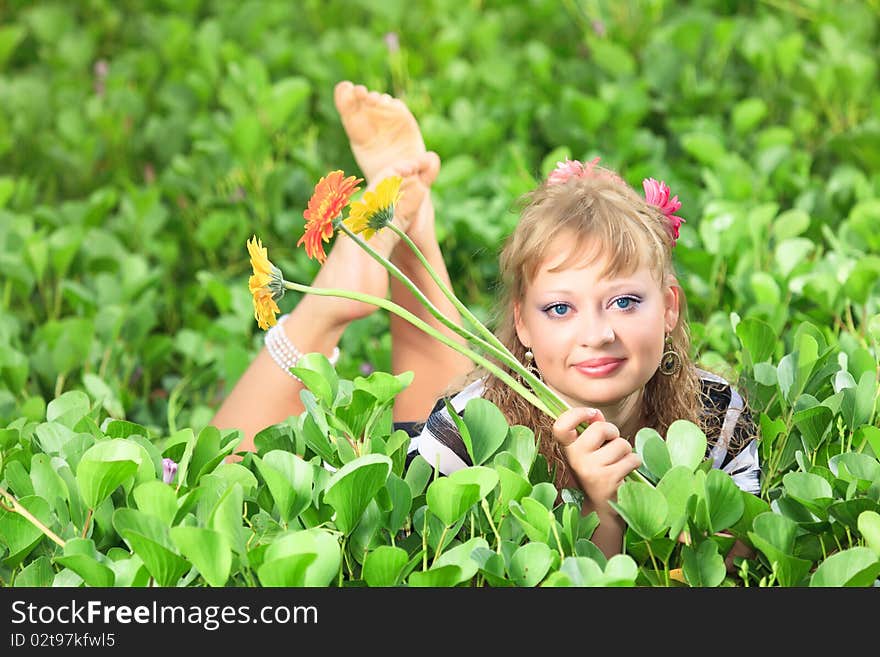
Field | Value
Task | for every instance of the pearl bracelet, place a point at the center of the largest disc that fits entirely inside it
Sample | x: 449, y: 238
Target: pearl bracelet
x: 283, y: 351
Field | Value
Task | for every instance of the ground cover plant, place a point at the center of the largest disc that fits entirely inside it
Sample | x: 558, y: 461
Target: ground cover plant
x: 142, y: 144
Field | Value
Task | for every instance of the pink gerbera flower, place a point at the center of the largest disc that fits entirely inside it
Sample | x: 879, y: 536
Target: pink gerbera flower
x: 657, y: 194
x: 571, y: 169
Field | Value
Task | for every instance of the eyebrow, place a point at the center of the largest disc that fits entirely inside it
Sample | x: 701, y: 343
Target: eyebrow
x: 614, y: 287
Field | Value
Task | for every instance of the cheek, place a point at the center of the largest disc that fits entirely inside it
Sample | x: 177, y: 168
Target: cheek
x: 644, y: 336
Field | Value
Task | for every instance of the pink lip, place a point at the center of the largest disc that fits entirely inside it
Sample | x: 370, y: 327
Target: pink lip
x: 599, y: 366
x: 598, y: 362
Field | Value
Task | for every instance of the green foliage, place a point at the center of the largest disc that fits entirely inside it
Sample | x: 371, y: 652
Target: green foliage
x: 141, y: 146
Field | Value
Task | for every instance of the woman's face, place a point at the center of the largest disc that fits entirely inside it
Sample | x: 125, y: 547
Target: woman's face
x: 595, y: 340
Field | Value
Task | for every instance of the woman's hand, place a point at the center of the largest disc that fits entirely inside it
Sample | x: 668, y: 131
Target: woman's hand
x: 599, y: 457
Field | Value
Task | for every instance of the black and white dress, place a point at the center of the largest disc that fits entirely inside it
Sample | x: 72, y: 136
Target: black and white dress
x: 439, y: 441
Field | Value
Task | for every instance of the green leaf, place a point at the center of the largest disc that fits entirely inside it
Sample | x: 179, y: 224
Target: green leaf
x: 654, y: 452
x: 852, y: 465
x: 445, y: 576
x: 686, y: 444
x: 758, y: 339
x: 318, y: 375
x: 578, y: 571
x: 535, y: 518
x: 530, y: 564
x: 869, y: 527
x: 17, y: 532
x: 487, y: 427
x: 309, y: 558
x: 807, y: 486
x: 290, y: 479
x: 165, y: 566
x: 790, y: 223
x: 643, y: 507
x: 104, y: 467
x: 47, y: 483
x: 703, y: 566
x: 449, y: 500
x: 69, y: 408
x: 82, y: 558
x: 792, y: 252
x: 401, y: 503
x: 813, y: 424
x: 747, y: 114
x: 384, y: 566
x: 418, y: 474
x: 351, y: 488
x: 207, y: 550
x: 723, y: 500
x: 677, y: 486
x: 774, y: 536
x: 857, y: 566
x: 460, y: 556
x: 463, y: 429
x: 514, y: 486
x: 383, y: 386
x: 226, y: 517
x: 37, y: 574
x: 158, y: 499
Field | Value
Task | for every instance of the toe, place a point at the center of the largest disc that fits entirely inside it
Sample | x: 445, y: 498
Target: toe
x: 429, y: 167
x: 343, y: 95
x: 360, y: 92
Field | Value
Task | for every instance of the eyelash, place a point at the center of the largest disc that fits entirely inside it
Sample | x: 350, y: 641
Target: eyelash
x: 635, y: 304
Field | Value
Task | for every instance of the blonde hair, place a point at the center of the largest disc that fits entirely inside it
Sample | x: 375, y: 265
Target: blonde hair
x: 598, y: 209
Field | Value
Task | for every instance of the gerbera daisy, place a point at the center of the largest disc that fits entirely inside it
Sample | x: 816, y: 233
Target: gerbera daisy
x: 266, y: 284
x: 331, y: 195
x: 376, y: 209
x: 657, y: 194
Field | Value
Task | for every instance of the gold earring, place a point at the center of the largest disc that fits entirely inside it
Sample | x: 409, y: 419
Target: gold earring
x: 530, y: 363
x: 670, y: 362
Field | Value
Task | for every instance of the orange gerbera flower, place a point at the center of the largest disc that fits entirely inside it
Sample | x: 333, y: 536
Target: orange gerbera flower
x: 331, y: 195
x: 266, y: 284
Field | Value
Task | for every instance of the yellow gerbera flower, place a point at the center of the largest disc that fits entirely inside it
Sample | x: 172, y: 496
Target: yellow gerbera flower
x: 265, y: 308
x: 376, y: 209
x: 266, y: 284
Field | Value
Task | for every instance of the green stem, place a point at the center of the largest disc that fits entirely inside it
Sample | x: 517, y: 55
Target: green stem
x: 485, y: 506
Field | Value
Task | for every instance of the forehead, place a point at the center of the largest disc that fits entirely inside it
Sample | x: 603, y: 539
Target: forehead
x: 568, y: 255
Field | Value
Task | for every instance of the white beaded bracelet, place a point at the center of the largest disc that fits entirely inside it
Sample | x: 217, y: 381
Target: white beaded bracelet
x: 283, y: 351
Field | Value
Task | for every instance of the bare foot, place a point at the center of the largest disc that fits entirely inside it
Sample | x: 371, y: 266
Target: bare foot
x: 349, y: 267
x: 381, y: 129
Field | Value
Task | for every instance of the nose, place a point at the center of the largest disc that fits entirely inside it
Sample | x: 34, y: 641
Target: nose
x: 596, y: 331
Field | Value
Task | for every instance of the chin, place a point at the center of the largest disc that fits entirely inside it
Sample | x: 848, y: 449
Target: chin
x: 599, y: 392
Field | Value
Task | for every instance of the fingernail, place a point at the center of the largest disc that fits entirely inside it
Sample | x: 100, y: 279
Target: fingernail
x: 591, y: 413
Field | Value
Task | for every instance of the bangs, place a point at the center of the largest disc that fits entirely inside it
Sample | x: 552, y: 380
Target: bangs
x: 587, y: 220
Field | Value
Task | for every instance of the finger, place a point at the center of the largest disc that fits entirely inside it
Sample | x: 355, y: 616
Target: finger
x: 626, y: 465
x: 613, y: 451
x: 565, y: 428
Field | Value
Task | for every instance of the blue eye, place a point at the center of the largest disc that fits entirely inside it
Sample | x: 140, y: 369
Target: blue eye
x: 557, y: 309
x: 626, y: 303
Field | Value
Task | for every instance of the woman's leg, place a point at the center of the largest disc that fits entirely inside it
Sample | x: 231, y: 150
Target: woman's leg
x: 381, y: 130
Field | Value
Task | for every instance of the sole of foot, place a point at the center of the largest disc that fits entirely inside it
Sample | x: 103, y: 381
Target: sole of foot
x: 380, y: 128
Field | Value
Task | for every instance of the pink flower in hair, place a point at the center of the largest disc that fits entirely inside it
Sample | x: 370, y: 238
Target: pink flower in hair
x: 571, y: 169
x: 657, y: 194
